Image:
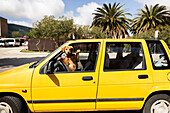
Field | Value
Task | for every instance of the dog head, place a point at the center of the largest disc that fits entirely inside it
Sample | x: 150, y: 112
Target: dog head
x: 67, y: 49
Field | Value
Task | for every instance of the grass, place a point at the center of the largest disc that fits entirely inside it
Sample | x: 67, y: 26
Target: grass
x: 27, y: 51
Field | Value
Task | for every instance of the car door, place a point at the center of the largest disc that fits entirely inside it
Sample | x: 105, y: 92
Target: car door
x: 160, y: 62
x: 125, y: 76
x: 63, y: 90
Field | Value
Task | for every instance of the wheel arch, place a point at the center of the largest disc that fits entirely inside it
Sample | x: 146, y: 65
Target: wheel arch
x: 2, y: 94
x: 155, y: 93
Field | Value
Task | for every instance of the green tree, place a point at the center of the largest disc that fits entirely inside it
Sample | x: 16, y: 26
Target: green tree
x: 64, y: 27
x: 164, y: 34
x: 49, y: 27
x: 150, y: 18
x: 112, y: 20
x: 83, y: 32
x: 96, y: 34
x: 16, y: 34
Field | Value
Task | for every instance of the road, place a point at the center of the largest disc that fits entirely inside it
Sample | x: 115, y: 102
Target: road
x: 11, y: 57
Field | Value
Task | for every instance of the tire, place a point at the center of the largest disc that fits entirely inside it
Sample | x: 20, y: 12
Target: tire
x: 157, y: 104
x: 10, y: 103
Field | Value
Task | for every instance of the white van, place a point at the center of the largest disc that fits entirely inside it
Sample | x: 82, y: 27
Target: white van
x: 10, y: 42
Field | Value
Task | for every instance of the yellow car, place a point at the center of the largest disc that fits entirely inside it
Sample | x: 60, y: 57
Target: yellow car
x: 111, y: 74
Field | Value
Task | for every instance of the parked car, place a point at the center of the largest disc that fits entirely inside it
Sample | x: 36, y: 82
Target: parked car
x: 10, y: 42
x: 2, y: 42
x: 25, y: 43
x: 112, y: 74
x: 13, y: 42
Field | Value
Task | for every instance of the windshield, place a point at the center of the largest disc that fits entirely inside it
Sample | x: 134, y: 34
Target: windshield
x: 50, y: 54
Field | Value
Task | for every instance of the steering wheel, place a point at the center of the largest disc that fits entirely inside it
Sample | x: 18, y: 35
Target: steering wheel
x: 60, y: 66
x: 56, y: 66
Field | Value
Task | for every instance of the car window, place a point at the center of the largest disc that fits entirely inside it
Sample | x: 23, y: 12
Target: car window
x: 88, y: 55
x: 10, y: 40
x: 17, y: 40
x: 124, y: 56
x: 76, y: 57
x: 158, y: 54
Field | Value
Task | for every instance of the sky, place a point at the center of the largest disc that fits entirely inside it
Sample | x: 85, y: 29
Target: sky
x: 26, y: 12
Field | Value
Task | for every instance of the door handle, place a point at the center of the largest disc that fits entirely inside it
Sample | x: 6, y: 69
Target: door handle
x: 87, y: 78
x: 143, y: 76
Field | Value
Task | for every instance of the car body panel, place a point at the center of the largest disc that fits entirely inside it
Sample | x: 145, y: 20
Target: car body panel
x: 16, y: 80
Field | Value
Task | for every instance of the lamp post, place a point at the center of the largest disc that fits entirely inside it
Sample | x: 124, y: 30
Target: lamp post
x: 156, y: 34
x: 156, y: 37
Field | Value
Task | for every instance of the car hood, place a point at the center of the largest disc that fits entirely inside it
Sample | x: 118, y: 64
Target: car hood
x: 17, y: 77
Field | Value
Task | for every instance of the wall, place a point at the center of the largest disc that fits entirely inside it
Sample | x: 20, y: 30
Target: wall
x: 3, y: 27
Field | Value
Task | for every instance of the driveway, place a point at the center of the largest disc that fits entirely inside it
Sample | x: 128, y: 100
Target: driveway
x: 11, y: 57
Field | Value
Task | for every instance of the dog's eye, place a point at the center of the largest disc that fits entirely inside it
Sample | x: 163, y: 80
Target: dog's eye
x: 66, y: 49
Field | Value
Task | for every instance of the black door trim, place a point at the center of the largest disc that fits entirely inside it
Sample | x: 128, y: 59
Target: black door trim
x: 85, y: 100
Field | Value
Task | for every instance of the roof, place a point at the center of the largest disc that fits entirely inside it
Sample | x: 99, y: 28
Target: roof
x: 116, y: 40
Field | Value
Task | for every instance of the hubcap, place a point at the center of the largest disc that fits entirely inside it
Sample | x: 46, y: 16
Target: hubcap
x: 5, y: 108
x: 160, y: 106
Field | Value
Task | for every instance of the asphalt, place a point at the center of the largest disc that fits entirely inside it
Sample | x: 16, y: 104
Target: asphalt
x: 11, y: 57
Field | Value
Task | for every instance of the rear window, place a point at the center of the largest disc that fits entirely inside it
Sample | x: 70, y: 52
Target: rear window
x: 17, y: 40
x: 159, y: 57
x: 124, y: 56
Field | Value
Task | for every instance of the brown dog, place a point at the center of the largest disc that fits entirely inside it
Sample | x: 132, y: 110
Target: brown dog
x: 71, y: 60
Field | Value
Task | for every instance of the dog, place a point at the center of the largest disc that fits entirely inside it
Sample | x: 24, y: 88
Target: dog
x: 71, y: 60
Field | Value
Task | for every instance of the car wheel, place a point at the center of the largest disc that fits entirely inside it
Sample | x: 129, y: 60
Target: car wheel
x: 10, y: 104
x: 157, y: 104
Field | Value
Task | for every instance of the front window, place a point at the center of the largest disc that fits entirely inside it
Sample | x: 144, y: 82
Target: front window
x: 124, y: 56
x: 76, y: 57
x: 10, y: 40
x: 159, y: 56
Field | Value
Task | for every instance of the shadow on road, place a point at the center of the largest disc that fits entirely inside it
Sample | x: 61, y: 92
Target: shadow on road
x: 17, y: 61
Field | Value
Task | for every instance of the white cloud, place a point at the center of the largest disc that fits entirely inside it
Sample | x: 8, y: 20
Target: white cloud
x: 153, y: 2
x: 34, y: 10
x: 69, y: 14
x: 85, y: 17
x: 20, y: 23
x: 31, y: 9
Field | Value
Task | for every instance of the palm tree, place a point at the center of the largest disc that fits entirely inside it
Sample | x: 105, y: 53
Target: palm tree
x: 112, y: 20
x: 150, y: 18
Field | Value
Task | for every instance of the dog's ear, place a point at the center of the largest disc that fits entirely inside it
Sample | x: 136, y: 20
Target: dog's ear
x: 63, y: 49
x: 71, y: 48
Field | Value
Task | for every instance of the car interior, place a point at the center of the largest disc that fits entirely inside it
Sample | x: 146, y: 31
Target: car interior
x: 124, y: 56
